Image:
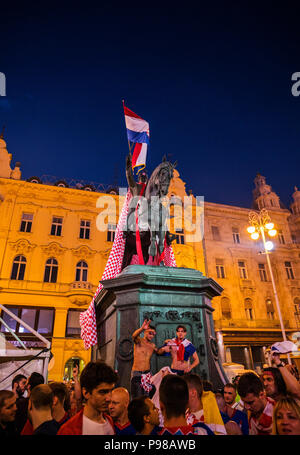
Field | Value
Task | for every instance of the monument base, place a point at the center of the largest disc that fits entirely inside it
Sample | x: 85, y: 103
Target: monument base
x: 169, y: 296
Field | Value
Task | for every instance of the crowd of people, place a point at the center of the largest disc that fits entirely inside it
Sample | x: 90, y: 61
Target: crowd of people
x: 174, y: 401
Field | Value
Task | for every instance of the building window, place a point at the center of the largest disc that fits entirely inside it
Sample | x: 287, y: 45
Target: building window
x: 81, y: 271
x: 215, y: 233
x: 111, y: 232
x: 225, y: 308
x: 242, y: 270
x: 289, y: 270
x: 39, y: 319
x: 236, y: 235
x: 56, y: 226
x: 73, y: 324
x: 220, y: 268
x: 18, y: 269
x: 281, y: 237
x: 270, y: 309
x: 249, y: 309
x: 51, y: 269
x: 262, y: 272
x: 26, y: 222
x: 297, y: 310
x: 85, y: 227
x: 294, y: 238
x: 179, y: 236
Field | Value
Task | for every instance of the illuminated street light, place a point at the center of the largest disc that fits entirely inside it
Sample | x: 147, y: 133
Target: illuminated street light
x: 251, y: 229
x: 269, y: 246
x: 260, y: 224
x: 272, y: 232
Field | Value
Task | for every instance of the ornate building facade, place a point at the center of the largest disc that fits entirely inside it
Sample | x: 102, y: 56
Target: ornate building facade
x: 246, y: 317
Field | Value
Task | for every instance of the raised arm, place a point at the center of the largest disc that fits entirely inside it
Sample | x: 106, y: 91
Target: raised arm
x: 77, y: 388
x: 292, y: 385
x: 137, y: 332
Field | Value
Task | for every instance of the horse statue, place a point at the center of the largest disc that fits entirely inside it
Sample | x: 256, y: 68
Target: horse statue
x: 146, y: 226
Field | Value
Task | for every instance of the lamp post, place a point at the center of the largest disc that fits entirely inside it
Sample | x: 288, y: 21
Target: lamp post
x: 261, y: 223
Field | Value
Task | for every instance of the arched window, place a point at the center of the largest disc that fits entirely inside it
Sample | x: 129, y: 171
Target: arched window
x: 249, y: 309
x: 270, y: 309
x: 51, y: 268
x: 225, y: 308
x: 81, y: 271
x: 18, y: 269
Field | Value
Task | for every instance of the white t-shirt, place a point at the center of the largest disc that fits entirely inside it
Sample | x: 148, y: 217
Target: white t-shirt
x: 89, y: 427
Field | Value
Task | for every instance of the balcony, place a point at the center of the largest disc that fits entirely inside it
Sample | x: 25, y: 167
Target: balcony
x: 247, y: 324
x: 81, y: 285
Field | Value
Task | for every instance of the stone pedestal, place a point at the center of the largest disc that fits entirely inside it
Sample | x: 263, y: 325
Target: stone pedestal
x: 169, y: 296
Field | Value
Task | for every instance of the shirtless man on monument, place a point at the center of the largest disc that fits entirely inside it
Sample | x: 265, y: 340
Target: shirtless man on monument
x: 143, y: 351
x: 181, y: 351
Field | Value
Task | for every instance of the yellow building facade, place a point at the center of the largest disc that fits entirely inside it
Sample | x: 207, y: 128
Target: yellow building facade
x: 246, y: 316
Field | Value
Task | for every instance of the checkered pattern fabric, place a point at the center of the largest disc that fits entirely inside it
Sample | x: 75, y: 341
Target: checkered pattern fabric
x: 145, y: 382
x: 112, y: 269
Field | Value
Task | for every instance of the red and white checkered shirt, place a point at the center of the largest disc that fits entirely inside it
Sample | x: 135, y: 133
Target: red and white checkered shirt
x: 263, y: 425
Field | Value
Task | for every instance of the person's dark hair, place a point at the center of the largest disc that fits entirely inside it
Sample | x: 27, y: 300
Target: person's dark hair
x: 250, y: 383
x: 207, y: 386
x: 151, y: 327
x: 137, y: 409
x: 17, y: 379
x: 174, y: 394
x: 59, y: 390
x: 35, y: 379
x: 278, y: 379
x: 42, y: 396
x: 230, y: 385
x: 96, y: 372
x: 194, y: 381
x: 5, y: 395
x: 181, y: 327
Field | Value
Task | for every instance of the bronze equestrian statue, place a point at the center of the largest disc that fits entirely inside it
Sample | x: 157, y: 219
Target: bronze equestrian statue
x: 146, y: 226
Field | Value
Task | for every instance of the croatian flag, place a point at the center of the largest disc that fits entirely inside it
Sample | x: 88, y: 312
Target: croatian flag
x: 138, y: 133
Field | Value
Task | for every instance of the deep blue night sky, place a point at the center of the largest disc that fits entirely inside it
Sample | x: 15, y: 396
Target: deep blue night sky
x: 213, y: 81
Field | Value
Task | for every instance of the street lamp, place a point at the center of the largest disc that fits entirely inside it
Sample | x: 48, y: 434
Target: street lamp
x: 260, y: 224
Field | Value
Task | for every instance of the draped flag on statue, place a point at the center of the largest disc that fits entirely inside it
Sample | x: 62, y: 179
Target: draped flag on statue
x: 138, y: 134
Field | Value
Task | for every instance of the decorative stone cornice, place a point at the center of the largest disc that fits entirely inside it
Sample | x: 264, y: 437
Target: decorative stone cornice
x: 54, y: 249
x: 22, y: 246
x: 83, y: 252
x: 80, y: 302
x: 105, y: 253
